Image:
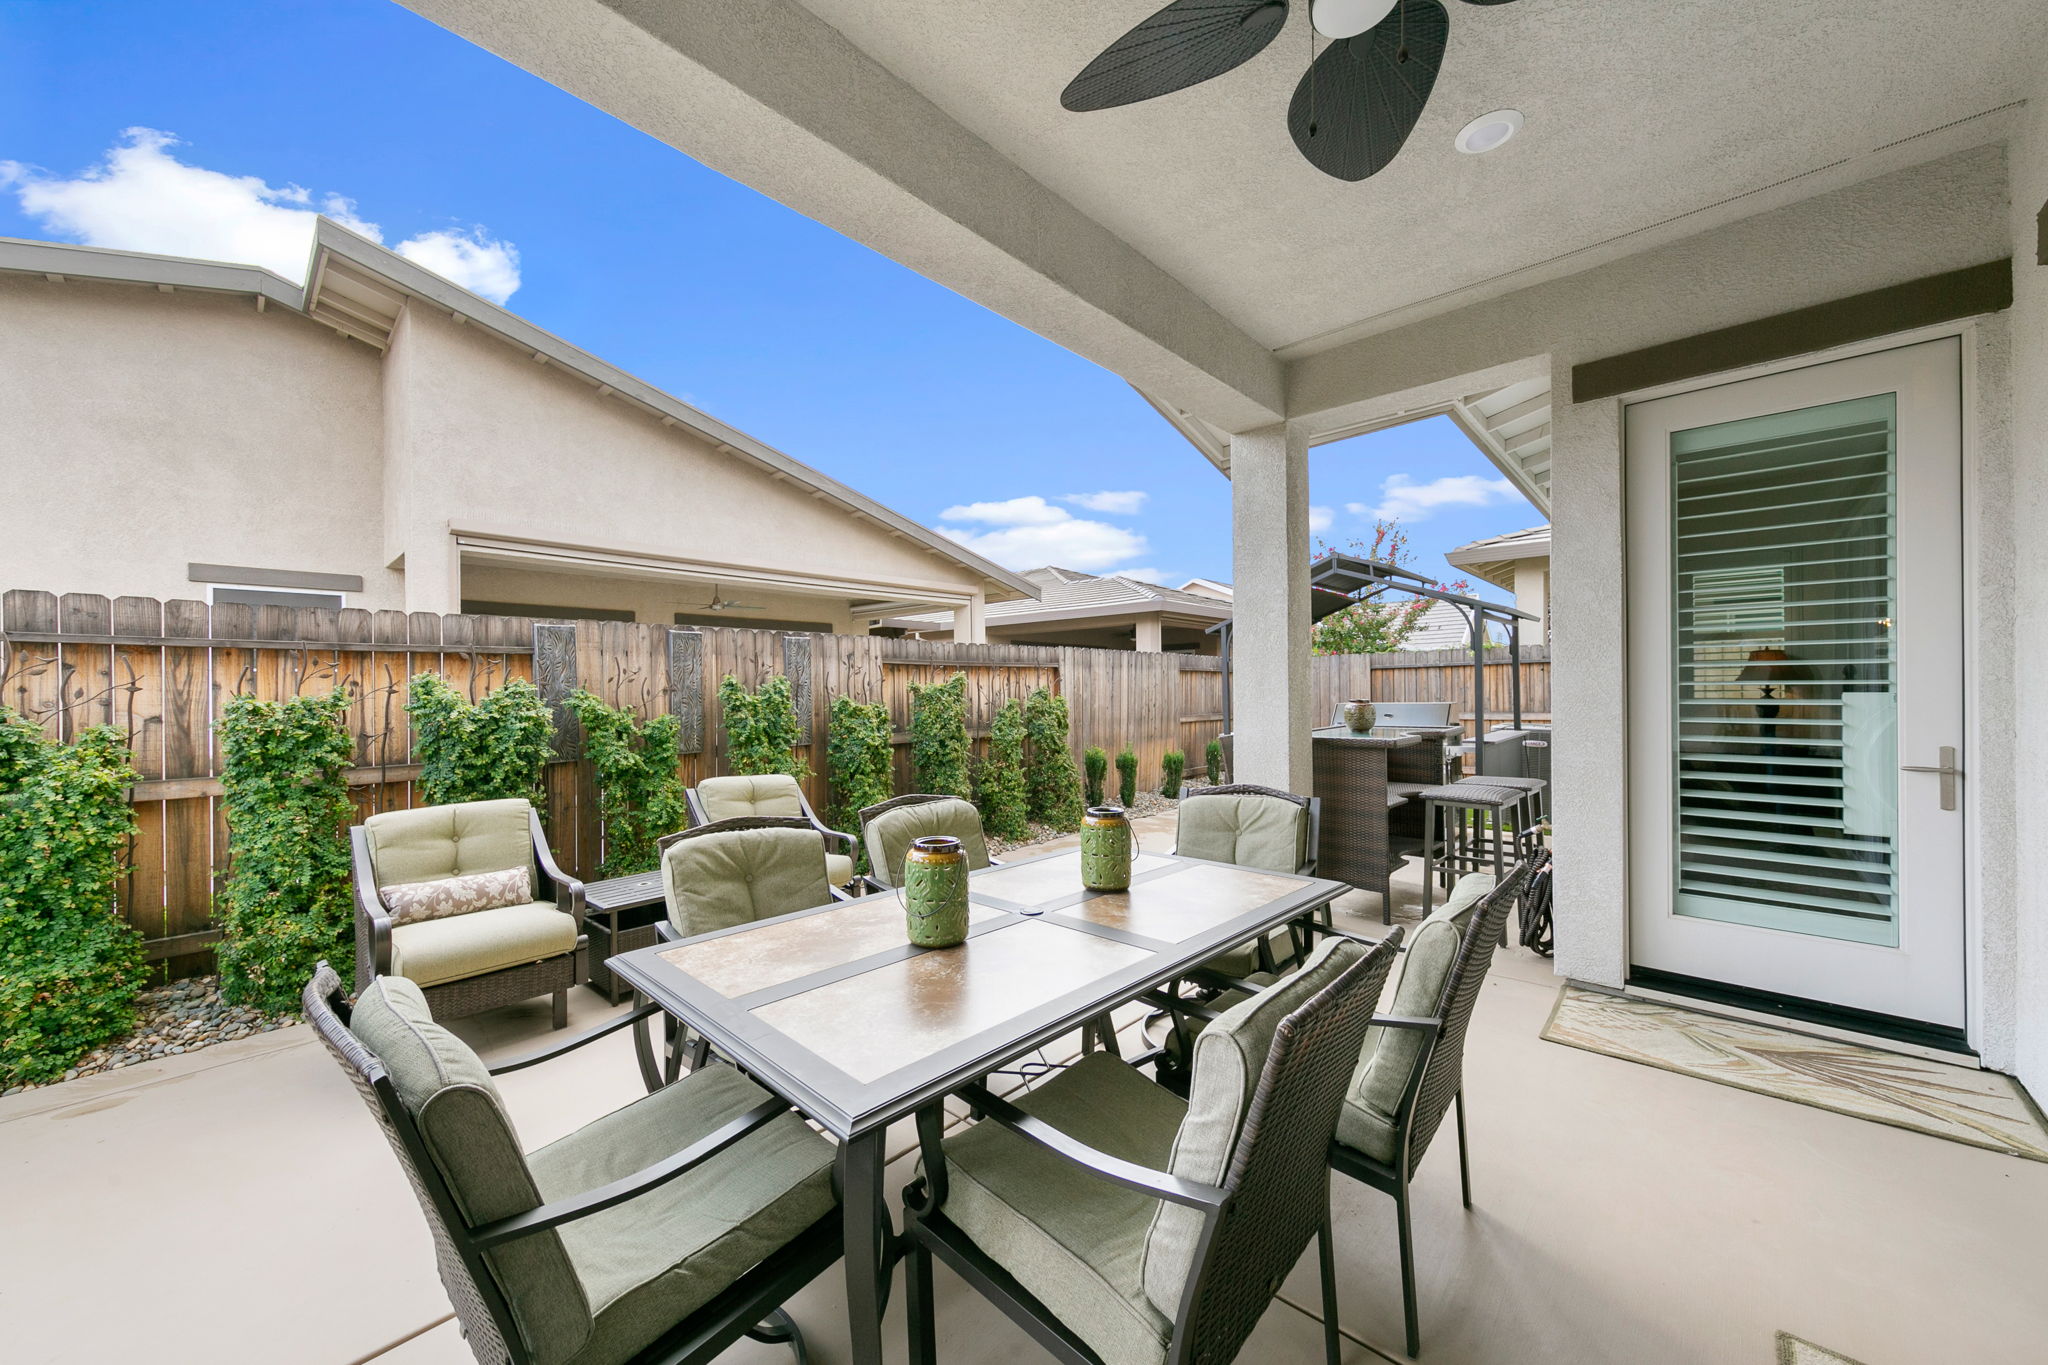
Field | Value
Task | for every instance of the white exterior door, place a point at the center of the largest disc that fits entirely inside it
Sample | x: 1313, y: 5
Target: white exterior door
x: 1795, y: 653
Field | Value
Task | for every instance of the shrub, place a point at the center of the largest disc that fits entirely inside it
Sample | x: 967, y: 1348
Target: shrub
x: 1171, y: 765
x: 284, y: 789
x: 858, y: 759
x: 761, y: 731
x: 1098, y: 771
x: 480, y: 751
x: 69, y: 966
x: 639, y: 792
x: 1049, y: 773
x: 1127, y: 777
x: 1005, y: 806
x: 1214, y: 755
x: 938, y: 738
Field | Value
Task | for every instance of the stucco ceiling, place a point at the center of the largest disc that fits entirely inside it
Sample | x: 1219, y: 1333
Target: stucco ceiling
x: 1638, y: 113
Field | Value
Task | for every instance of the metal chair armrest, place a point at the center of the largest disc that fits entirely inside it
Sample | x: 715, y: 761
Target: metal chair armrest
x: 840, y: 893
x: 554, y: 1050
x: 626, y: 1187
x: 1173, y: 1004
x: 373, y: 921
x: 1317, y: 927
x: 1129, y: 1174
x: 1407, y: 1022
x: 568, y: 891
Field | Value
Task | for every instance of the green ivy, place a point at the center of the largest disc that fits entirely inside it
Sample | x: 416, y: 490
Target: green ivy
x: 1097, y: 763
x: 1005, y: 808
x: 939, y: 749
x: 1127, y: 777
x: 1171, y: 765
x: 1049, y: 773
x: 858, y: 759
x: 1214, y: 755
x: 69, y: 965
x: 761, y: 730
x: 480, y: 751
x: 640, y: 795
x: 284, y: 788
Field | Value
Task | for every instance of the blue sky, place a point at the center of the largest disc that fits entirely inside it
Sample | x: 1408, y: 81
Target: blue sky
x: 624, y: 246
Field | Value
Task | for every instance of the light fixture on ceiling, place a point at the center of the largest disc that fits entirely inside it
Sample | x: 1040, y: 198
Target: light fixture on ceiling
x: 1348, y: 18
x: 1488, y: 131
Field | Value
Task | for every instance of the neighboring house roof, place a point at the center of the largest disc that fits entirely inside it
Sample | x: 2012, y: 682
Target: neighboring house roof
x: 1208, y: 587
x: 359, y: 288
x: 1495, y: 558
x: 1069, y: 594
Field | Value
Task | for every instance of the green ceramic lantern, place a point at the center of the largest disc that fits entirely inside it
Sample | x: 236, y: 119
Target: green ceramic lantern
x: 935, y: 892
x: 1107, y: 843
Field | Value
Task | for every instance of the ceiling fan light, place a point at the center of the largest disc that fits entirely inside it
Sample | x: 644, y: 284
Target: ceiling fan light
x: 1348, y: 18
x: 1489, y: 131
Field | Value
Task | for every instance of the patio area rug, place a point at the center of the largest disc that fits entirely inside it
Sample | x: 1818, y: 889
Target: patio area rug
x: 1962, y: 1104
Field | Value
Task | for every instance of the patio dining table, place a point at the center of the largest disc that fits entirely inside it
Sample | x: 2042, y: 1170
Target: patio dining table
x: 835, y: 1012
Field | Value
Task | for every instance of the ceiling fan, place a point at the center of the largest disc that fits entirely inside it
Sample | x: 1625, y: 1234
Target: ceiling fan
x: 722, y: 603
x: 1356, y: 103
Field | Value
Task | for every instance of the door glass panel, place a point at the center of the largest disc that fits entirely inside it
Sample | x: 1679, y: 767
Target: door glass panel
x: 1786, y: 709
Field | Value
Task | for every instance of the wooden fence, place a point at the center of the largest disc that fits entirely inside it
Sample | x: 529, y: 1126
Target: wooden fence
x: 163, y: 671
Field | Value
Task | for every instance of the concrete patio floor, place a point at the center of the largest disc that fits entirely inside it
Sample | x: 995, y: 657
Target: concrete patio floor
x: 238, y: 1205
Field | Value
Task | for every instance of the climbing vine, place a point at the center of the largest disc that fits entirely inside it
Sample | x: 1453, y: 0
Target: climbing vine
x: 69, y: 966
x: 857, y: 759
x: 761, y: 730
x: 939, y: 749
x: 640, y: 794
x: 1049, y: 773
x: 1005, y: 809
x: 284, y: 788
x: 480, y: 751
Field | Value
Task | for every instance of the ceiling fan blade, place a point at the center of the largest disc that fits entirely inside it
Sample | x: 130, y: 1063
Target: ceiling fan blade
x: 1358, y: 103
x: 1184, y: 44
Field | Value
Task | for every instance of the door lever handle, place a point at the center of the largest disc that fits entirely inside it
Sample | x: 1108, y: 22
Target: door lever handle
x: 1948, y: 772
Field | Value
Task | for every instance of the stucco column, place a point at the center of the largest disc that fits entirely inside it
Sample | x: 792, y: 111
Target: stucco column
x: 1270, y: 629
x: 433, y: 573
x: 1532, y: 594
x: 1151, y: 635
x: 1589, y: 687
x: 969, y: 625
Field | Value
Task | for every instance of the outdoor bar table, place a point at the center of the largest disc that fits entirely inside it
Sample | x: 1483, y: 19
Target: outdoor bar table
x: 835, y: 1012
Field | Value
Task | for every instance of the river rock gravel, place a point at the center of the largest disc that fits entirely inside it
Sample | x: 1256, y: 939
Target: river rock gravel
x: 172, y: 1020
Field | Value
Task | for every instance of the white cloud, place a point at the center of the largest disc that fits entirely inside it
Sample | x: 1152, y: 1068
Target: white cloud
x: 1028, y: 532
x: 1031, y: 511
x: 1117, y: 504
x: 142, y: 198
x: 475, y: 260
x: 1319, y: 519
x: 1403, y: 499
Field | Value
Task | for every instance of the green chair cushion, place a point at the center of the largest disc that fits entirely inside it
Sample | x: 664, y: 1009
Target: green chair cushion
x: 716, y: 881
x: 1073, y: 1239
x: 430, y: 952
x: 1264, y: 832
x: 838, y: 869
x: 461, y: 1119
x: 646, y: 1264
x: 1229, y: 1057
x: 889, y: 835
x: 433, y: 842
x: 727, y: 798
x: 1372, y: 1105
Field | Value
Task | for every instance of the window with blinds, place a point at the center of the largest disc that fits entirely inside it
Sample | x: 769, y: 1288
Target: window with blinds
x: 1785, y: 726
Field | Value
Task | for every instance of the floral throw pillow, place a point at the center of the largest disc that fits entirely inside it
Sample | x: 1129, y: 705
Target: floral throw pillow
x: 410, y: 902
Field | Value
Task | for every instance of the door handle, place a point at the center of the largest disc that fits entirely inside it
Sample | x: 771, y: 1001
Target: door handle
x: 1948, y: 771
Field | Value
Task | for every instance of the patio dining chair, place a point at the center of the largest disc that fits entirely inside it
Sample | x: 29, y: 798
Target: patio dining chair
x: 888, y: 827
x: 1116, y: 1222
x: 776, y: 794
x: 1256, y: 827
x: 659, y: 1234
x: 465, y: 901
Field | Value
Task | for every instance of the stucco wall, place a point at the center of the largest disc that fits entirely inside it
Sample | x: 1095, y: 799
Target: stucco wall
x: 494, y: 442
x: 1939, y: 216
x: 142, y: 431
x: 651, y: 600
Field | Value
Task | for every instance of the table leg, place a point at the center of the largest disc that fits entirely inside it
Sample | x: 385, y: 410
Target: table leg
x: 870, y: 1237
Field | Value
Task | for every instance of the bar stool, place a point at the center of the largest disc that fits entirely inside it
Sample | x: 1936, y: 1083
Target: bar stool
x: 1472, y: 818
x: 1529, y: 820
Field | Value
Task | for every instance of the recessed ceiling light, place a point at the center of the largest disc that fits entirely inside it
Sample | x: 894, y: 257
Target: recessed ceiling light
x: 1488, y: 131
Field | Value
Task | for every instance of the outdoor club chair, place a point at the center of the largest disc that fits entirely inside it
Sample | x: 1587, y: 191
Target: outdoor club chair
x: 467, y: 903
x: 777, y: 794
x: 1412, y: 1069
x: 1121, y: 1225
x: 660, y: 1233
x: 1257, y: 827
x: 888, y: 828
